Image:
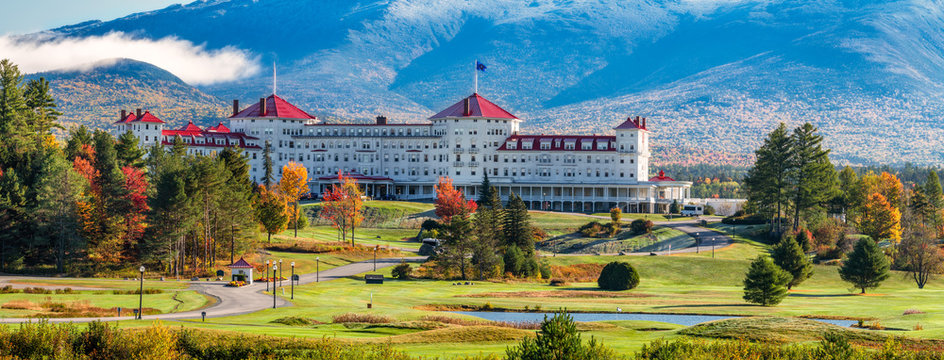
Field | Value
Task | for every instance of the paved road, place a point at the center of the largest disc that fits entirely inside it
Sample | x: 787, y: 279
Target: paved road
x: 237, y: 301
x: 692, y: 227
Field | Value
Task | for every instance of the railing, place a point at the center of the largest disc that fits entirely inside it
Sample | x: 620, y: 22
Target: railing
x: 474, y: 164
x: 458, y: 164
x: 473, y: 151
x: 626, y: 151
x: 457, y: 150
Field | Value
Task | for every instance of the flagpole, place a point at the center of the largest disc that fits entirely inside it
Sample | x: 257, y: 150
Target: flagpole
x: 273, y: 78
x: 475, y: 70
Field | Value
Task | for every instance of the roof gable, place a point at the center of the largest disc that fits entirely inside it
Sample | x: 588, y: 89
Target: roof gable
x: 474, y: 106
x: 632, y: 123
x: 274, y: 107
x: 241, y: 264
x: 661, y: 177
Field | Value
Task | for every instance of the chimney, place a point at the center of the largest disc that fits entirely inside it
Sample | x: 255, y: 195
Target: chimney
x: 466, y: 109
x: 139, y: 113
x: 235, y: 107
x: 643, y: 123
x: 381, y: 120
x: 262, y: 107
x: 124, y: 114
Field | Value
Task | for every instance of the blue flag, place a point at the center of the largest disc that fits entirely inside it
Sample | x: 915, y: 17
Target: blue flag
x: 479, y: 66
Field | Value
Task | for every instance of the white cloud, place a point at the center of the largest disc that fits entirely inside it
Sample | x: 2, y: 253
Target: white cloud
x: 193, y: 64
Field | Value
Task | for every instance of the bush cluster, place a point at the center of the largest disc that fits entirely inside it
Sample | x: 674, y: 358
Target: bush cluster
x: 402, y: 272
x: 618, y: 276
x: 640, y: 226
x: 744, y: 219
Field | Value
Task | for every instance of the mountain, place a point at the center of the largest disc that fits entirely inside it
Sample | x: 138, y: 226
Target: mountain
x: 95, y: 97
x: 712, y: 76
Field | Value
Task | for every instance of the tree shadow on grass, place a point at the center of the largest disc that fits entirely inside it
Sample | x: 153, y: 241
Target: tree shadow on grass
x: 818, y: 295
x: 700, y: 306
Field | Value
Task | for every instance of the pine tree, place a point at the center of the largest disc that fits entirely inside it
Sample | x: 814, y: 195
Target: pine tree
x: 932, y: 188
x: 812, y: 177
x: 458, y: 241
x: 789, y: 256
x: 488, y: 233
x: 851, y: 194
x: 485, y: 193
x: 866, y: 267
x: 267, y: 165
x: 767, y: 183
x: 43, y: 106
x: 129, y: 151
x: 559, y: 340
x: 13, y: 215
x: 765, y: 283
x: 78, y: 138
x: 517, y: 226
x: 58, y: 192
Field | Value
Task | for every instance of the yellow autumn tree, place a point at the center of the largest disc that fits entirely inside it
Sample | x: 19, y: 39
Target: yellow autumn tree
x: 886, y: 184
x: 293, y: 185
x: 879, y: 219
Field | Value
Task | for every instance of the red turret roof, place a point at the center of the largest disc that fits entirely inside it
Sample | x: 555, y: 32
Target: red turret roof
x: 661, y: 177
x: 219, y: 128
x: 632, y: 123
x: 146, y: 117
x: 191, y: 128
x: 274, y: 107
x: 241, y: 264
x: 474, y: 106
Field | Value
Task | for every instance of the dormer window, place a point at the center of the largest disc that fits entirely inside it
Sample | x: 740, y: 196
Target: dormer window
x: 511, y: 145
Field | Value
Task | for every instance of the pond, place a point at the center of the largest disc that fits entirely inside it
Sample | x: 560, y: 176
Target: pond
x: 679, y: 319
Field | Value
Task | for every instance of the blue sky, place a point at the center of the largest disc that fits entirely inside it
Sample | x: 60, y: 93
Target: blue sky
x: 26, y: 16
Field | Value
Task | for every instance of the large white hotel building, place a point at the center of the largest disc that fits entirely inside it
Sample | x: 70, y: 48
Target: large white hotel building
x: 466, y: 141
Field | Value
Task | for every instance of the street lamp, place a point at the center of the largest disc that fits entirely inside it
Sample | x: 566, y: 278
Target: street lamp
x: 141, y: 291
x: 292, y: 281
x: 712, y: 248
x: 375, y: 258
x: 267, y: 275
x: 317, y: 272
x: 274, y: 284
x: 280, y: 273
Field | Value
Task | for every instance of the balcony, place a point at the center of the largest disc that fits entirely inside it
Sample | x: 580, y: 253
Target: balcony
x: 473, y: 151
x: 458, y: 164
x: 474, y: 164
x: 627, y: 151
x: 457, y: 150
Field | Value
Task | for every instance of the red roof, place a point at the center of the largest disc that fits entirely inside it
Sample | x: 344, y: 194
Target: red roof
x: 560, y: 142
x: 632, y: 123
x: 661, y: 177
x: 241, y: 264
x: 474, y: 106
x: 146, y: 117
x: 190, y: 127
x: 274, y: 107
x: 219, y: 128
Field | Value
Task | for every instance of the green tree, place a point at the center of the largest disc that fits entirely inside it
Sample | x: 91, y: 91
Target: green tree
x: 932, y: 188
x: 674, y: 208
x: 458, y: 242
x: 559, y: 340
x: 129, y: 151
x: 919, y: 255
x: 42, y: 105
x: 13, y: 215
x: 765, y: 283
x: 79, y: 137
x: 488, y: 232
x: 767, y: 183
x: 851, y: 193
x: 812, y: 177
x: 617, y: 276
x: 486, y: 190
x: 789, y: 256
x: 866, y: 267
x: 269, y: 178
x: 271, y: 212
x: 58, y: 192
x: 517, y: 225
x: 616, y: 216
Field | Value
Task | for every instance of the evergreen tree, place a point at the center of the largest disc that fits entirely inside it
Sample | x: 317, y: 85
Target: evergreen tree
x: 43, y: 106
x: 267, y: 165
x: 128, y: 150
x: 16, y: 139
x: 271, y: 212
x: 59, y: 190
x: 179, y: 148
x: 458, y: 241
x: 517, y: 226
x: 932, y: 188
x: 488, y: 233
x: 78, y: 138
x: 13, y: 215
x: 812, y: 177
x: 866, y: 267
x: 765, y: 283
x: 485, y: 193
x: 789, y: 256
x: 674, y: 208
x: 767, y: 183
x: 236, y: 200
x: 559, y: 340
x: 851, y: 193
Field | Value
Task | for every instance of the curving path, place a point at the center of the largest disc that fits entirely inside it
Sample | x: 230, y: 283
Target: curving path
x: 705, y: 236
x: 235, y: 301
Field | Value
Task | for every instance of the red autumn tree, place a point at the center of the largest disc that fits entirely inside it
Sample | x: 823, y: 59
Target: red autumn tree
x: 136, y: 196
x: 343, y: 206
x: 450, y: 201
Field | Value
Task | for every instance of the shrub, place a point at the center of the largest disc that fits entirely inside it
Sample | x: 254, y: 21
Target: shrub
x: 559, y: 336
x: 742, y: 219
x: 558, y: 282
x: 8, y: 289
x: 402, y: 271
x: 591, y: 229
x: 361, y: 318
x: 427, y: 250
x: 709, y: 210
x: 37, y: 290
x: 640, y: 226
x: 295, y: 321
x: 617, y: 276
x: 138, y: 291
x: 765, y: 283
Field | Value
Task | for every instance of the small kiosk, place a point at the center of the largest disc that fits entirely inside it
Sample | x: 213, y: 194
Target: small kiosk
x: 242, y: 271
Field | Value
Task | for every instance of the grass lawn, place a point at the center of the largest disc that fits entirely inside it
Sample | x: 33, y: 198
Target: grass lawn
x: 662, y: 238
x: 169, y: 301
x: 627, y: 217
x: 394, y: 238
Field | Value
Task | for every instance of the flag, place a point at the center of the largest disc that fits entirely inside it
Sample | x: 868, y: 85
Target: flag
x: 479, y: 66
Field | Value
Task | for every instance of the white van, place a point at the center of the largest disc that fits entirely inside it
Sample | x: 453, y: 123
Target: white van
x: 693, y: 210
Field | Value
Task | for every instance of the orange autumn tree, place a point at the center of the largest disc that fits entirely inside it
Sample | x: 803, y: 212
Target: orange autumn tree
x: 880, y: 219
x: 343, y: 206
x: 450, y: 201
x: 293, y: 185
x: 271, y: 211
x: 886, y: 184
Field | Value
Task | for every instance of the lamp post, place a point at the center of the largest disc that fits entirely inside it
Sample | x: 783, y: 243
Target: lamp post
x: 267, y: 275
x: 280, y: 272
x: 274, y: 268
x: 375, y: 258
x: 141, y: 292
x: 317, y: 272
x: 293, y: 280
x: 697, y: 244
x: 712, y: 248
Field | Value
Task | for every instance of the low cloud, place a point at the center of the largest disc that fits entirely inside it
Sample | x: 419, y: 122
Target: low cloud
x: 192, y: 63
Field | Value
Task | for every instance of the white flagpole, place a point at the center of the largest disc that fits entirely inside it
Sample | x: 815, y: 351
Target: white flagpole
x: 475, y: 69
x: 273, y: 78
